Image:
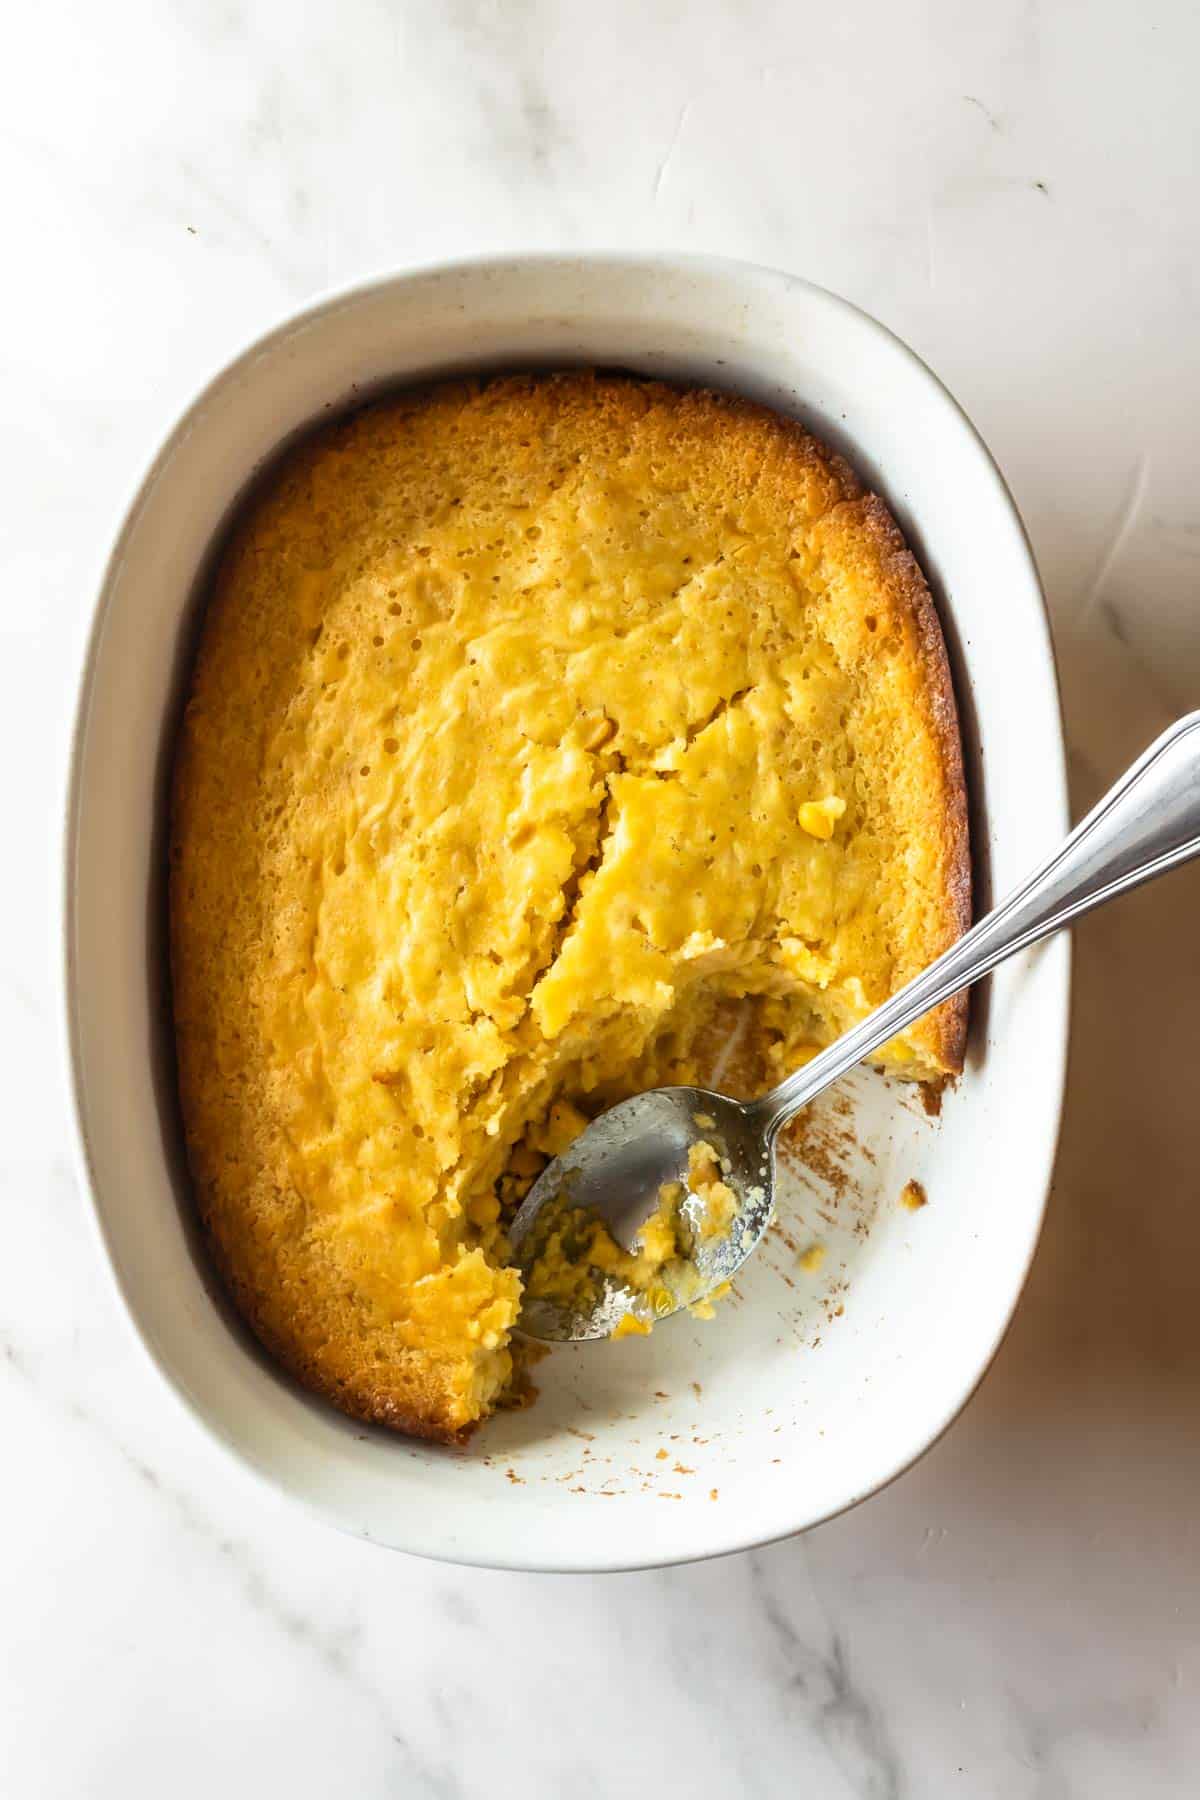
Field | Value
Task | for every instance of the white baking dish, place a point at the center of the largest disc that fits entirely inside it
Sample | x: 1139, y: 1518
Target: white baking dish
x: 766, y: 1429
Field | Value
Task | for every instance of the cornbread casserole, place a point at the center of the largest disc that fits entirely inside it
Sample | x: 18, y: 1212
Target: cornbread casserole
x: 535, y: 723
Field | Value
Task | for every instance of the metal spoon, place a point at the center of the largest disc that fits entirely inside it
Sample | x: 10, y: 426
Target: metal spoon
x: 1145, y: 825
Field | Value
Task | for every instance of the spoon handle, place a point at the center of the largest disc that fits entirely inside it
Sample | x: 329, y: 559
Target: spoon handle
x: 1145, y: 825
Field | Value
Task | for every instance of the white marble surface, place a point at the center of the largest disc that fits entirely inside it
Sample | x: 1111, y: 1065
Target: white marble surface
x: 1015, y: 188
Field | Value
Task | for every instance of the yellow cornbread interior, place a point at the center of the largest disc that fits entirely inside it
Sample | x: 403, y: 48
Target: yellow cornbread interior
x: 532, y: 724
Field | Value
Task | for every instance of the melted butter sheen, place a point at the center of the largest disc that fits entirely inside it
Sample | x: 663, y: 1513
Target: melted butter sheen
x: 532, y: 724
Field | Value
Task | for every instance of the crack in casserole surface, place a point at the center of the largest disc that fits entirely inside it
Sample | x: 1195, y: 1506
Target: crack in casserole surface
x: 535, y: 724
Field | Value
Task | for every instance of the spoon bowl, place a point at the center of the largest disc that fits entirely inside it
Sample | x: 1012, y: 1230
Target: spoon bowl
x: 616, y: 1169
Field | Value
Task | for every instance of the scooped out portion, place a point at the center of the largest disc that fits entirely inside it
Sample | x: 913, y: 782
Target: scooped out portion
x: 538, y: 726
x: 574, y: 1263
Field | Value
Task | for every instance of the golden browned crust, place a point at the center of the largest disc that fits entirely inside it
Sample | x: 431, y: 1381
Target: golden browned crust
x: 946, y: 1028
x: 423, y: 1412
x: 367, y: 1370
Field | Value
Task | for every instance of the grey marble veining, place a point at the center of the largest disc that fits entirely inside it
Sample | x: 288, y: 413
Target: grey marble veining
x: 1015, y: 189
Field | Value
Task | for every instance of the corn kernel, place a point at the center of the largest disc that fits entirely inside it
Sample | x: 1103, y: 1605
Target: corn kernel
x: 818, y: 817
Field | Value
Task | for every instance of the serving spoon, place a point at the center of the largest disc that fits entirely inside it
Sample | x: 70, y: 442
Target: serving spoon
x: 1148, y: 823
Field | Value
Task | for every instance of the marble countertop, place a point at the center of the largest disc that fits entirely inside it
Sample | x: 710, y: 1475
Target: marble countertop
x: 1015, y: 189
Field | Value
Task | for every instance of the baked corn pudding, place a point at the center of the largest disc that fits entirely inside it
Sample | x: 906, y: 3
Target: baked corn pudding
x: 537, y: 726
